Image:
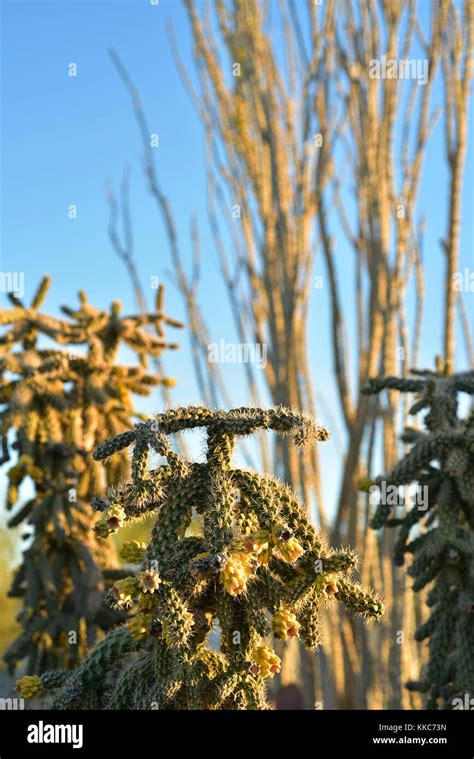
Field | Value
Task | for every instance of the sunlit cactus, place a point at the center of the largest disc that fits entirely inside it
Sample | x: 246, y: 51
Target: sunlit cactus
x: 202, y: 608
x: 62, y: 391
x: 438, y: 531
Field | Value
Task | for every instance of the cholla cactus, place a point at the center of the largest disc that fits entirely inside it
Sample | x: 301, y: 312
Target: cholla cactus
x: 258, y: 564
x: 56, y: 406
x: 439, y: 530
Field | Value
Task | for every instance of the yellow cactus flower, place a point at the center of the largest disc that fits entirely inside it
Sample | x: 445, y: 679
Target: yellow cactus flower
x: 124, y: 591
x: 149, y: 580
x: 258, y: 543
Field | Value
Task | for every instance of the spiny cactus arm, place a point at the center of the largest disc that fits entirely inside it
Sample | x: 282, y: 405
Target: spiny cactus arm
x: 146, y: 344
x: 401, y: 544
x: 376, y: 384
x: 124, y: 687
x: 219, y: 518
x: 146, y: 435
x: 357, y: 600
x: 465, y: 664
x: 427, y: 629
x: 425, y: 571
x: 114, y: 445
x: 59, y: 330
x: 273, y: 500
x: 181, y: 564
x: 23, y: 513
x: 15, y: 300
x: 175, y: 617
x: 300, y: 427
x: 86, y: 312
x: 415, y: 545
x: 18, y: 649
x: 309, y: 621
x: 85, y: 685
x: 410, y: 466
x: 269, y: 589
x: 133, y: 688
x: 41, y: 292
x: 223, y: 687
x: 171, y: 523
x: 154, y: 318
x: 242, y: 421
x: 411, y: 435
x: 30, y: 686
x: 254, y: 692
x: 12, y: 316
x: 159, y: 443
x: 342, y: 560
x: 165, y: 672
x: 464, y: 382
x: 5, y: 454
x: 144, y: 387
x: 238, y: 421
x: 440, y: 642
x: 258, y: 600
x: 315, y: 573
x: 140, y: 458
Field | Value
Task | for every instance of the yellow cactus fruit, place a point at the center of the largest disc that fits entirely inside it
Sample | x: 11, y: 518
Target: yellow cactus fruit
x: 138, y: 625
x: 124, y: 591
x: 133, y: 552
x: 258, y: 544
x: 287, y: 545
x: 149, y: 580
x: 236, y: 573
x: 285, y: 625
x: 29, y: 686
x: 265, y: 662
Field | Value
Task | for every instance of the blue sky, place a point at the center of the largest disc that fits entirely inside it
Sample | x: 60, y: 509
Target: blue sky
x: 63, y: 137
